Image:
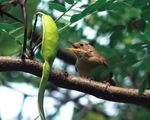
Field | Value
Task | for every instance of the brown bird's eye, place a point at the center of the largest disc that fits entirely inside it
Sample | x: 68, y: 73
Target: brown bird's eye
x: 81, y: 44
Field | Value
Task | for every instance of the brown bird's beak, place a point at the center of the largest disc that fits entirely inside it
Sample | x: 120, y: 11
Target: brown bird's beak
x: 73, y: 49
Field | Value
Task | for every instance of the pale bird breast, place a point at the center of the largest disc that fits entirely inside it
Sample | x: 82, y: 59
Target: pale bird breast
x: 84, y: 67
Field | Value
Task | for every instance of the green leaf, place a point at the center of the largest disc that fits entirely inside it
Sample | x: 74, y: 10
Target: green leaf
x: 93, y: 116
x: 140, y: 3
x: 118, y: 6
x: 57, y: 6
x: 118, y: 28
x: 31, y: 9
x: 117, y: 35
x: 145, y: 15
x: 143, y: 86
x: 62, y: 20
x: 49, y: 50
x: 88, y: 10
x: 19, y: 39
x: 3, y: 0
x: 17, y: 31
x: 129, y: 59
x: 8, y: 45
x: 93, y: 7
x: 136, y: 24
x: 75, y: 18
x: 50, y: 38
x: 106, y: 5
x: 6, y: 26
x: 69, y: 1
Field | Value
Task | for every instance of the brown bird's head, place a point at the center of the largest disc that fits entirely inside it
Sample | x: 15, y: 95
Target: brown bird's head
x: 82, y: 49
x: 85, y: 51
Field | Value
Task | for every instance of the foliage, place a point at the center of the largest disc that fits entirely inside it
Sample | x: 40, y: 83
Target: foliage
x: 49, y: 50
x: 125, y: 24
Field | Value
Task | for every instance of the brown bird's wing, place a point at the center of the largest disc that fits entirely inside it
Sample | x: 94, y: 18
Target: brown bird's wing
x: 103, y: 60
x: 99, y: 59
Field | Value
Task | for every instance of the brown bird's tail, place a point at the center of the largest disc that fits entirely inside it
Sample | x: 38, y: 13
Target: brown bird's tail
x: 110, y: 80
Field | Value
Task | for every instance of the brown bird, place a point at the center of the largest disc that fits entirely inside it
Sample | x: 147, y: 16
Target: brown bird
x: 90, y: 63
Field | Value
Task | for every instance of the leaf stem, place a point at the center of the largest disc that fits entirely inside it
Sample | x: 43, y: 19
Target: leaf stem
x: 66, y: 11
x: 23, y: 8
x: 61, y: 29
x: 32, y: 34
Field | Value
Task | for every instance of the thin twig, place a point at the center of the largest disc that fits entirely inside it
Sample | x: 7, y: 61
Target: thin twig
x: 66, y: 11
x: 66, y: 26
x: 9, y: 15
x: 32, y: 34
x: 38, y: 44
x: 24, y: 13
x: 11, y: 3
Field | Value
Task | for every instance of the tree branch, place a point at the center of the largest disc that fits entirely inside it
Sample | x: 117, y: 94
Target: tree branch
x: 66, y: 56
x: 64, y: 80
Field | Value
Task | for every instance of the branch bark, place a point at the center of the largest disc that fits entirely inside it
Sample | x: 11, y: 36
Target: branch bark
x: 65, y: 80
x: 66, y: 56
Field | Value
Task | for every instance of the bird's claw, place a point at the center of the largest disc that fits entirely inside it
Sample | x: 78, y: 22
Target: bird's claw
x: 87, y: 77
x: 106, y: 83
